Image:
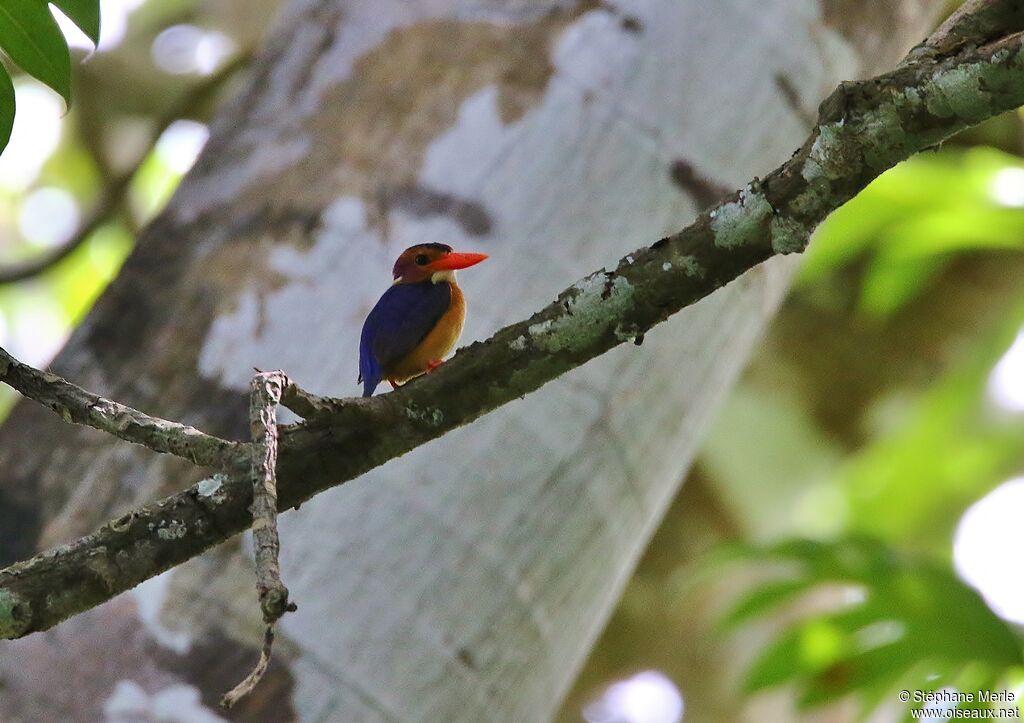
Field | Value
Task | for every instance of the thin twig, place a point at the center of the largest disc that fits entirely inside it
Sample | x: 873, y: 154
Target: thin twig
x: 863, y: 131
x: 265, y: 396
x: 311, y: 406
x: 79, y: 406
x: 266, y: 390
x: 303, y: 403
x: 255, y: 676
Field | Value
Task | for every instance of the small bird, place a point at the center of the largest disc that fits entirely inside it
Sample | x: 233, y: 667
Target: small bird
x: 417, y: 322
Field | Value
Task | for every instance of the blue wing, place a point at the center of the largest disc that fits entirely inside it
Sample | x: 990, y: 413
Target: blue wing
x: 402, y: 318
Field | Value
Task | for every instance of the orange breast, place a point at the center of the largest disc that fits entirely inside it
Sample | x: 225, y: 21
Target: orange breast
x: 436, y: 345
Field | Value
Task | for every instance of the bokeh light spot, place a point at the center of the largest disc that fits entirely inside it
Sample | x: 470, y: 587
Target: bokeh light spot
x: 182, y: 49
x: 1006, y: 383
x: 48, y: 216
x: 37, y: 126
x: 1008, y: 187
x: 647, y: 697
x: 38, y: 328
x: 180, y: 144
x: 987, y: 546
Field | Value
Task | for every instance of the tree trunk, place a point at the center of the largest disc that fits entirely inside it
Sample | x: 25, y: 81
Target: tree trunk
x: 466, y: 581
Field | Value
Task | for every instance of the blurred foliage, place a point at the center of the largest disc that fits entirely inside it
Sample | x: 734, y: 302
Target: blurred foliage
x: 908, y: 225
x: 891, y: 622
x: 844, y: 461
x: 30, y: 37
x: 933, y: 453
x: 865, y: 422
x: 926, y: 448
x: 77, y: 184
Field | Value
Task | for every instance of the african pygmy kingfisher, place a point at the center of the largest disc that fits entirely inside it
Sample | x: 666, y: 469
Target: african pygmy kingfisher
x: 418, y: 320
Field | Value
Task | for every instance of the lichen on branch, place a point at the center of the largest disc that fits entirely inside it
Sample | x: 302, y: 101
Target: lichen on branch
x: 75, y: 405
x: 863, y: 129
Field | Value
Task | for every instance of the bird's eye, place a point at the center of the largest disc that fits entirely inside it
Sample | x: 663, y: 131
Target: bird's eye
x: 422, y: 260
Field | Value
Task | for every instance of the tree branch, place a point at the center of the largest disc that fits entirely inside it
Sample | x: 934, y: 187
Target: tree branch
x: 75, y: 405
x: 975, y: 22
x: 863, y: 129
x: 264, y: 398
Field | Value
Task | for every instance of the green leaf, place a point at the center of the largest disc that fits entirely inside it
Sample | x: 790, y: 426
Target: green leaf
x: 779, y: 663
x: 6, y: 107
x: 83, y: 13
x: 858, y: 672
x: 32, y: 39
x: 889, y: 284
x: 761, y: 600
x: 915, y: 622
x: 798, y: 653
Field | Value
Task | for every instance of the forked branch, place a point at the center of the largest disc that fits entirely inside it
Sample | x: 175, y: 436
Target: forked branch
x: 972, y: 71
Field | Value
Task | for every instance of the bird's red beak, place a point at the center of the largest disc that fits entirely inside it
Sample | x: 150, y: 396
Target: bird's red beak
x: 453, y: 261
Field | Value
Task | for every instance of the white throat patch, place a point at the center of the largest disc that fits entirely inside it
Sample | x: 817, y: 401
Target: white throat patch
x: 448, y: 276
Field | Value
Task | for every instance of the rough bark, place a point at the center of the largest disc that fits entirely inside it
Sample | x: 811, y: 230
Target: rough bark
x: 466, y: 581
x: 864, y: 128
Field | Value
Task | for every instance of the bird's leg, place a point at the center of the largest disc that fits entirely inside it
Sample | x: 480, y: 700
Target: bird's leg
x: 392, y: 383
x: 432, y: 365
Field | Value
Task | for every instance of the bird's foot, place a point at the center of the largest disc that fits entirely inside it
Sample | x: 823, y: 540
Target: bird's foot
x: 432, y: 365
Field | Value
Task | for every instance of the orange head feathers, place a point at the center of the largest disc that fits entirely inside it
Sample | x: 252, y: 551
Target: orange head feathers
x: 419, y: 263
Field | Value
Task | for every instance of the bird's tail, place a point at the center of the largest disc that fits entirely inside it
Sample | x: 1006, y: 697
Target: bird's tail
x: 369, y: 375
x: 369, y: 385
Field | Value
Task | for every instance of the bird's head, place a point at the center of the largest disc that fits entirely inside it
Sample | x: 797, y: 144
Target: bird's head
x: 431, y: 262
